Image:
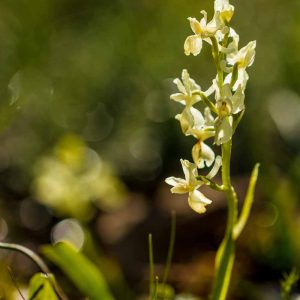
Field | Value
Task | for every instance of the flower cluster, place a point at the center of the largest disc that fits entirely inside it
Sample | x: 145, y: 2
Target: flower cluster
x: 220, y: 116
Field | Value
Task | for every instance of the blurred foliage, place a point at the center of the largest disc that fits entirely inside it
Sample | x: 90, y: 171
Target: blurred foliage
x: 84, y: 274
x: 288, y: 283
x: 76, y: 177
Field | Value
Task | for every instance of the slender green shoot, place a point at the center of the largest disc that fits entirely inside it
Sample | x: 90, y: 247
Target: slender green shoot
x: 248, y: 202
x: 151, y: 266
x: 288, y: 283
x: 171, y: 248
x: 155, y: 288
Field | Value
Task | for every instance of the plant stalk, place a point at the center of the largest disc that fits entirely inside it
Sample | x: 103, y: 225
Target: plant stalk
x: 226, y: 252
x: 38, y: 261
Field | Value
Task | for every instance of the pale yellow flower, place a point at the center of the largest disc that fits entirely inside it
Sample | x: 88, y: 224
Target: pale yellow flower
x: 226, y: 10
x: 244, y: 57
x: 190, y: 184
x: 189, y: 90
x: 202, y: 31
x: 227, y: 105
x: 203, y: 155
x: 193, y: 123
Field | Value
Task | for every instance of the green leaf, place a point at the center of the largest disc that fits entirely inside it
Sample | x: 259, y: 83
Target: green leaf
x: 238, y: 228
x: 224, y: 265
x: 41, y: 288
x: 82, y: 272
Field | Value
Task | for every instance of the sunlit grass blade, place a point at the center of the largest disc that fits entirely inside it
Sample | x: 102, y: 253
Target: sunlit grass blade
x: 151, y: 266
x: 238, y: 228
x: 170, y: 253
x: 288, y: 283
x: 155, y: 288
x: 171, y: 248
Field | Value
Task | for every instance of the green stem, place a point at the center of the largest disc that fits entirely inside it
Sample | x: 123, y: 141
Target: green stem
x: 225, y: 254
x: 225, y: 44
x: 234, y: 75
x: 155, y: 292
x: 211, y: 184
x: 151, y: 267
x: 171, y: 248
x: 29, y: 253
x: 38, y: 261
x: 209, y: 103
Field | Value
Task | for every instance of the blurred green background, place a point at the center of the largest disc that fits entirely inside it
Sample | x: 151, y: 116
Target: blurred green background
x: 88, y: 132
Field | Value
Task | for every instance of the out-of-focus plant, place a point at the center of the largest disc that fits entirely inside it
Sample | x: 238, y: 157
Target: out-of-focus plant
x: 81, y: 271
x: 160, y: 289
x: 217, y: 119
x: 288, y: 283
x: 73, y: 178
x: 70, y: 181
x: 43, y: 285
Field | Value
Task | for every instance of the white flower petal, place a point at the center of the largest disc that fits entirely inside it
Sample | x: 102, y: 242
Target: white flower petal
x: 226, y: 91
x: 186, y: 121
x: 203, y: 21
x: 215, y: 169
x: 250, y: 53
x: 198, y: 119
x: 196, y: 154
x: 238, y: 101
x: 186, y: 81
x: 214, y: 25
x: 201, y: 128
x: 179, y: 97
x: 175, y: 181
x: 194, y: 99
x: 194, y: 87
x: 179, y: 189
x: 180, y: 186
x: 198, y: 201
x: 244, y: 57
x: 196, y: 26
x: 192, y: 44
x: 223, y: 130
x: 209, y: 91
x: 226, y: 10
x: 180, y: 86
x: 202, y: 155
x: 202, y: 133
x: 207, y: 154
x: 190, y: 172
